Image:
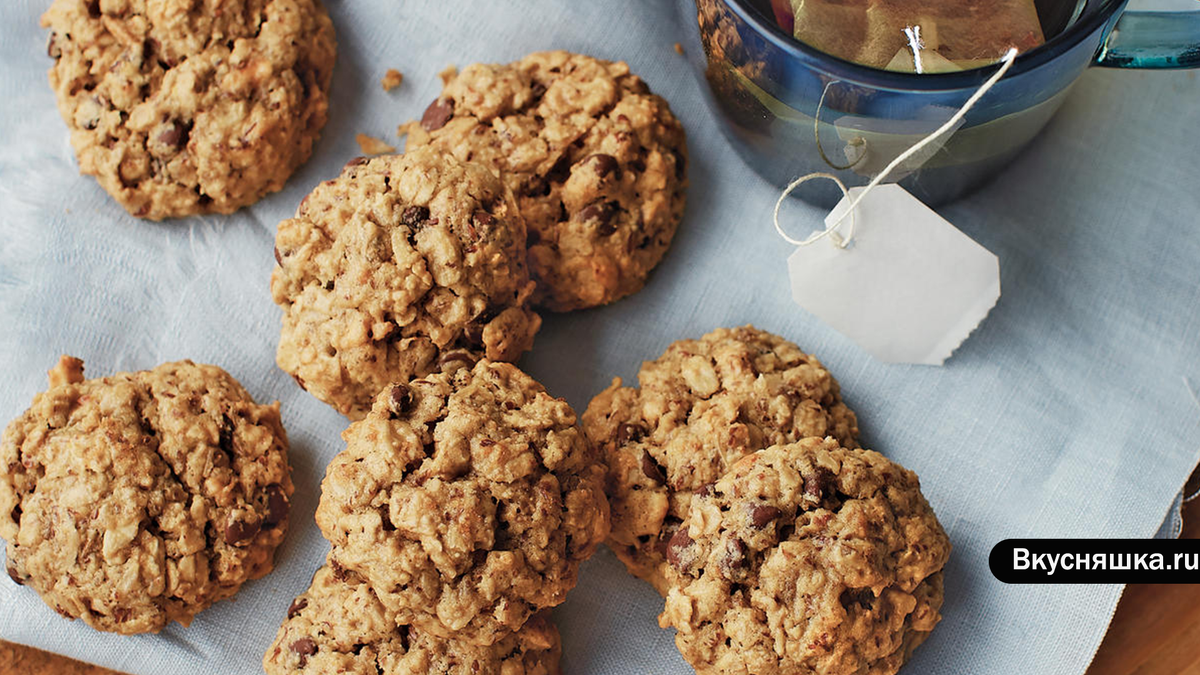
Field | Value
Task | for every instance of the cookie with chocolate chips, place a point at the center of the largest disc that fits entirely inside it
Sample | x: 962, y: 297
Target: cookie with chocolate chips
x: 703, y: 405
x: 339, y: 626
x: 806, y: 558
x: 597, y: 162
x: 142, y: 498
x: 467, y: 500
x: 404, y: 265
x: 179, y: 107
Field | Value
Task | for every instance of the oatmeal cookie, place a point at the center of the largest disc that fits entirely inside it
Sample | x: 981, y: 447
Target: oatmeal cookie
x: 178, y: 107
x: 338, y: 626
x: 597, y: 162
x: 806, y: 558
x: 467, y: 500
x: 401, y: 267
x: 142, y: 498
x: 702, y: 405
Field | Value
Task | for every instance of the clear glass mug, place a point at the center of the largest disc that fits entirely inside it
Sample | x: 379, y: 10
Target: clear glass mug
x: 790, y: 109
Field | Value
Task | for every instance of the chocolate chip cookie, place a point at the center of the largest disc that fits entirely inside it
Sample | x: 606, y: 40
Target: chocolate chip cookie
x: 702, y: 405
x: 598, y: 164
x: 179, y: 107
x: 339, y: 626
x: 142, y: 498
x: 467, y: 500
x: 806, y: 558
x: 401, y: 267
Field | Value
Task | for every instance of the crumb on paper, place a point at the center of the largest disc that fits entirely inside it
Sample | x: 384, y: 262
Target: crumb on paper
x: 391, y: 79
x: 679, y: 49
x: 448, y: 73
x: 373, y: 146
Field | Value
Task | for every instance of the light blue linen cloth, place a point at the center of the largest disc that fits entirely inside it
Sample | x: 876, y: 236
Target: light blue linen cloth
x: 1067, y: 413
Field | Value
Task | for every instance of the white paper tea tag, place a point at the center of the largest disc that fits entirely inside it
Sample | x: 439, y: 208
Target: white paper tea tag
x: 909, y: 288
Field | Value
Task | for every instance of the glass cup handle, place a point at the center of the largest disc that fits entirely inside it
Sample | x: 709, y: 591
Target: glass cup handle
x: 1153, y: 40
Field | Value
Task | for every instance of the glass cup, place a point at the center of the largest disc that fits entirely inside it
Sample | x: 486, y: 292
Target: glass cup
x: 790, y: 109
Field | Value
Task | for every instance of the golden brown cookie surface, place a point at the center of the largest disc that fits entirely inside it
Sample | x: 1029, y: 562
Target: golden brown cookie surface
x: 404, y: 265
x: 180, y: 108
x: 806, y: 558
x: 467, y: 500
x: 597, y: 162
x: 338, y: 626
x: 702, y: 406
x: 138, y: 499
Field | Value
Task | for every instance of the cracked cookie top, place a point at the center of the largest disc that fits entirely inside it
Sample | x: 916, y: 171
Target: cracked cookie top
x: 402, y: 266
x: 138, y: 499
x: 467, y: 500
x: 702, y: 405
x: 597, y: 162
x: 339, y: 626
x: 180, y: 107
x: 806, y: 558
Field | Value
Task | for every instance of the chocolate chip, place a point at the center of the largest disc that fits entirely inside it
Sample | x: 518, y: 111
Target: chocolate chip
x: 761, y: 515
x: 817, y: 482
x: 679, y: 549
x: 238, y: 531
x: 277, y: 505
x: 484, y: 218
x: 296, y: 607
x: 305, y: 647
x: 437, y: 114
x: 603, y: 164
x: 537, y: 90
x: 560, y: 171
x: 400, y: 400
x: 705, y: 490
x: 93, y: 8
x: 173, y: 135
x: 278, y: 258
x: 14, y: 574
x: 52, y: 48
x: 414, y: 216
x: 863, y: 597
x: 629, y: 433
x: 460, y: 356
x: 600, y: 215
x: 225, y: 437
x: 652, y: 470
x: 734, y: 559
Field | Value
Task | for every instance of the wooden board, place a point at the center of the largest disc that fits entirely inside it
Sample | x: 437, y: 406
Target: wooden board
x: 1156, y: 631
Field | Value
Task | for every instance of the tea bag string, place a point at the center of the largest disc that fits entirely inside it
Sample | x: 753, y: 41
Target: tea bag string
x: 831, y: 229
x: 857, y: 141
x: 916, y: 44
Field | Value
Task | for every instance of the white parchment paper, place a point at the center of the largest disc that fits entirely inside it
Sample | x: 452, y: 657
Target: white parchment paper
x: 1065, y: 414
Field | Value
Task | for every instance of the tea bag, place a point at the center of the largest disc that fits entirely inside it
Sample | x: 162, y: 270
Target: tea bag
x: 956, y: 34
